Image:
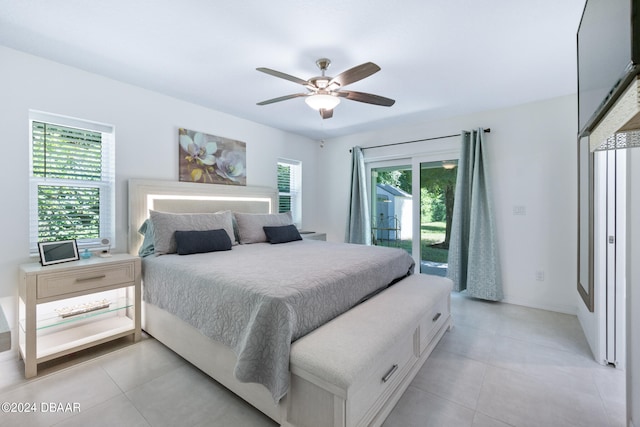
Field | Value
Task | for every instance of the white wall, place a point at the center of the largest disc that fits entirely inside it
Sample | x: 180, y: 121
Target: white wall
x: 146, y: 125
x: 532, y: 159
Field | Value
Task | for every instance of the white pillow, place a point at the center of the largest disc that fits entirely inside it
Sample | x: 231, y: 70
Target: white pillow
x: 165, y: 225
x: 250, y: 225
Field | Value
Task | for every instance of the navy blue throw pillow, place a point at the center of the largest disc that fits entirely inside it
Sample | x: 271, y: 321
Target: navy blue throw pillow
x: 282, y: 234
x: 196, y: 242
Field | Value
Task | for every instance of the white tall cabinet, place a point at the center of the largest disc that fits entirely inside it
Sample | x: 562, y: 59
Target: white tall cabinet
x: 633, y: 288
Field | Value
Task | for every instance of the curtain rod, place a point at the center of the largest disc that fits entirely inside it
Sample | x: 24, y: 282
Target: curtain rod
x: 487, y: 130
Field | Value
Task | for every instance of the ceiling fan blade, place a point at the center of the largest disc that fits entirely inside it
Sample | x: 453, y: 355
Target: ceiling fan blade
x: 282, y: 75
x: 356, y: 73
x: 281, y: 98
x: 366, y: 98
x: 326, y: 114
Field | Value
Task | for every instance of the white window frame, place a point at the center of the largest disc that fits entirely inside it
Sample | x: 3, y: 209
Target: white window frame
x: 106, y: 185
x: 295, y: 186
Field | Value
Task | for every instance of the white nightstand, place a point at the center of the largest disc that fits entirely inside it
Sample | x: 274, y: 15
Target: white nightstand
x: 47, y: 294
x: 313, y: 235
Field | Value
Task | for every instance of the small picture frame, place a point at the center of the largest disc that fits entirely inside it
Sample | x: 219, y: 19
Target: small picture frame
x: 57, y: 252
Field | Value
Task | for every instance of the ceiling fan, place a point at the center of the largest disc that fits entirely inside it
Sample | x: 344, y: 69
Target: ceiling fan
x: 324, y: 92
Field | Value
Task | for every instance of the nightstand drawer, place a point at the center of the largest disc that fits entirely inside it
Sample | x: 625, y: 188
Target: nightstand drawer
x: 82, y: 279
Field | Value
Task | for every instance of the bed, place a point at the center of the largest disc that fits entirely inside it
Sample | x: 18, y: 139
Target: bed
x: 239, y: 313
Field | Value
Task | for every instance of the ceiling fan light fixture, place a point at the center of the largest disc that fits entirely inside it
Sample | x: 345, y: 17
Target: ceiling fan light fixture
x: 322, y: 101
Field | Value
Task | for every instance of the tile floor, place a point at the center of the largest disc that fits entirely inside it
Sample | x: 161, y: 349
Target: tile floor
x: 501, y: 365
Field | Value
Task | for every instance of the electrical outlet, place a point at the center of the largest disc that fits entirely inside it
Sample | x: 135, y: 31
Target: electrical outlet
x: 540, y: 275
x: 520, y: 210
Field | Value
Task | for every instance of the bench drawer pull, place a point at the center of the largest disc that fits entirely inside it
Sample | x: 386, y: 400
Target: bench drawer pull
x: 436, y: 317
x: 393, y: 369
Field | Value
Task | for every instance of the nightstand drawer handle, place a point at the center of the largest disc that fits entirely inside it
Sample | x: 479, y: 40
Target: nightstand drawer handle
x: 436, y: 317
x: 85, y: 279
x: 393, y: 369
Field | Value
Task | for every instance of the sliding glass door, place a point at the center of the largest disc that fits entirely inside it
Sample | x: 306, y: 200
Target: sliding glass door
x: 412, y: 206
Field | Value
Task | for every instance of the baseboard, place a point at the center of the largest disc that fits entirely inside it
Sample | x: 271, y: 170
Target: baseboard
x: 559, y: 308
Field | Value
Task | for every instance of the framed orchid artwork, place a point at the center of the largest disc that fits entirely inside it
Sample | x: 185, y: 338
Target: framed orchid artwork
x: 211, y: 159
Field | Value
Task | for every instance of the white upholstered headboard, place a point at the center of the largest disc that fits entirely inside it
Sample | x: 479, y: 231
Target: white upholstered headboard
x: 187, y: 197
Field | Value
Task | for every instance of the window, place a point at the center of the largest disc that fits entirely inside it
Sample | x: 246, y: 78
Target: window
x: 290, y: 189
x: 71, y: 180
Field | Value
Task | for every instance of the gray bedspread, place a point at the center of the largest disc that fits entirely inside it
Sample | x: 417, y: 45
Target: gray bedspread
x: 259, y: 298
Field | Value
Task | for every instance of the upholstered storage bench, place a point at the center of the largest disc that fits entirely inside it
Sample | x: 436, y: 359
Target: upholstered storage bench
x: 353, y: 376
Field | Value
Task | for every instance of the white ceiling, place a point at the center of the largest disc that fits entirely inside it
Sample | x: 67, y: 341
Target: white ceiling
x: 439, y: 58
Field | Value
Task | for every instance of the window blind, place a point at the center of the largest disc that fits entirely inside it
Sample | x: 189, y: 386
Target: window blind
x: 284, y: 188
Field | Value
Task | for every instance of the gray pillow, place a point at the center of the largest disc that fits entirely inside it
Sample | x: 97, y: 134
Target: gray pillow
x: 165, y: 225
x: 250, y: 226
